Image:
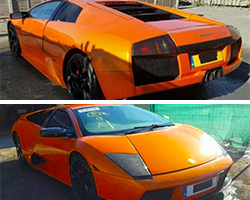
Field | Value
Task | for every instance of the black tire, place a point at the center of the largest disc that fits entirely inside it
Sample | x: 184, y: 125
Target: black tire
x: 19, y: 150
x: 13, y: 41
x: 81, y: 80
x: 82, y: 179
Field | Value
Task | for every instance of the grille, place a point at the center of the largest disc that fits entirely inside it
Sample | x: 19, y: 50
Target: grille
x: 149, y: 70
x: 235, y: 48
x: 165, y: 194
x: 222, y: 177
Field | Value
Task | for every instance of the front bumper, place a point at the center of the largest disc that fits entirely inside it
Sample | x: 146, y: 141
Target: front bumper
x: 114, y: 187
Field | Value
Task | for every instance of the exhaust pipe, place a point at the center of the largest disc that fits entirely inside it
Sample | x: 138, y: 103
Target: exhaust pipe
x: 209, y: 77
x: 217, y: 73
x: 213, y: 74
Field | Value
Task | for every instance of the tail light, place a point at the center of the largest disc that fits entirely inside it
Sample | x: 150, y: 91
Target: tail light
x: 155, y: 46
x: 234, y: 32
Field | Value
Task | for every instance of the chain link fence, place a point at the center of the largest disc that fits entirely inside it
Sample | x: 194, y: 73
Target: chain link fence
x: 225, y: 122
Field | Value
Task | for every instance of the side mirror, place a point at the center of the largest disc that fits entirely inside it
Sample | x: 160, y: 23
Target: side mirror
x: 57, y: 132
x: 165, y: 116
x: 19, y: 15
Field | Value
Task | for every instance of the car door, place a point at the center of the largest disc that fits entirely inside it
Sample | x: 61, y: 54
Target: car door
x: 31, y: 33
x: 60, y: 34
x: 55, y: 149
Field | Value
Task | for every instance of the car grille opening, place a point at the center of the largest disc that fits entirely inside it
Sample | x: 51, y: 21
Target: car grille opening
x: 142, y: 12
x: 222, y: 177
x: 165, y: 194
x: 235, y: 48
x: 154, y: 69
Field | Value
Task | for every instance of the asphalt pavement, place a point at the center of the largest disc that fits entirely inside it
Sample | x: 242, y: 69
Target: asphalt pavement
x: 20, y: 80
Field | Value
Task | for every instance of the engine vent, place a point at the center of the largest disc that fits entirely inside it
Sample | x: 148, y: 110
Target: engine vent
x: 149, y: 70
x: 141, y: 11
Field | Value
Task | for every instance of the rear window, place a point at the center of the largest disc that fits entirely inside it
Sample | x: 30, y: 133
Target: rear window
x: 68, y: 13
x: 142, y: 12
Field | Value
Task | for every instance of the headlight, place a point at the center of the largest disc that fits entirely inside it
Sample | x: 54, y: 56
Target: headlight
x: 210, y: 143
x: 130, y: 163
x: 234, y: 32
x: 154, y: 46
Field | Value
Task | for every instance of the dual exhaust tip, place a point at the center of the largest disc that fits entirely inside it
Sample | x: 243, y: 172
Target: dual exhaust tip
x: 213, y: 74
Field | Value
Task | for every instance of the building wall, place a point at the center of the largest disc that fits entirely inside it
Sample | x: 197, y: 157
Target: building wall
x: 4, y: 8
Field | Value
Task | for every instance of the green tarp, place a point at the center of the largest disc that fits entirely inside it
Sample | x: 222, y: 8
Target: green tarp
x: 224, y: 122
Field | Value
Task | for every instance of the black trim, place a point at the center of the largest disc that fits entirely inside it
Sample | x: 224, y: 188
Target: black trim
x: 36, y: 159
x: 154, y: 69
x: 203, y: 46
x: 164, y: 194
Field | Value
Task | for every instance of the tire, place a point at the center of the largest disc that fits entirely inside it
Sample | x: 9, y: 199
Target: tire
x: 19, y: 150
x: 81, y: 80
x: 82, y: 179
x: 13, y: 41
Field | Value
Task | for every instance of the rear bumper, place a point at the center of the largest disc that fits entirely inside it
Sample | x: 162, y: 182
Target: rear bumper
x: 120, y: 84
x: 113, y: 187
x: 187, y: 79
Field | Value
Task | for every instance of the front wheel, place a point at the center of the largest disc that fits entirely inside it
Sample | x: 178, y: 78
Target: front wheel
x: 18, y: 148
x: 82, y: 180
x: 81, y: 80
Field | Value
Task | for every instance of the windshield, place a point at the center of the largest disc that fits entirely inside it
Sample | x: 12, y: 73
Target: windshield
x: 115, y: 119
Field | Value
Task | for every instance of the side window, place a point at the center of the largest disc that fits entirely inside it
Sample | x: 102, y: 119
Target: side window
x: 60, y: 119
x: 36, y: 118
x: 44, y: 11
x: 68, y: 13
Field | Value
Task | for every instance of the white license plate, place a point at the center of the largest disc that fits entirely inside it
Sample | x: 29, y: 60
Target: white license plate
x: 199, y: 187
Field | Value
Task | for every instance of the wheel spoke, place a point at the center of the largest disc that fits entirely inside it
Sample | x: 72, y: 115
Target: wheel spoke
x: 81, y: 179
x: 79, y: 83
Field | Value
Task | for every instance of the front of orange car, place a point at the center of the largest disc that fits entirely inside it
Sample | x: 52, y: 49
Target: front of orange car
x: 174, y: 162
x: 158, y: 48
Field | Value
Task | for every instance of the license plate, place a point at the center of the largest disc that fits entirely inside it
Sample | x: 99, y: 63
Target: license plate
x: 199, y: 187
x: 204, y: 59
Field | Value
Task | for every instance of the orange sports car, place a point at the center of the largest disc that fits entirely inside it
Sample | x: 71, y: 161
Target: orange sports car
x: 111, y: 49
x: 121, y: 152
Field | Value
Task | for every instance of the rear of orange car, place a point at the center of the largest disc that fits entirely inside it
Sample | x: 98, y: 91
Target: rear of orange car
x: 168, y: 49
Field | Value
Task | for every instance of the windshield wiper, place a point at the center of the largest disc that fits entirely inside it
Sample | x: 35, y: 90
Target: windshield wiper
x: 150, y: 128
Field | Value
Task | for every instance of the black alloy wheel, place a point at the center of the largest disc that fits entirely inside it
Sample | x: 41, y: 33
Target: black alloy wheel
x: 18, y: 148
x: 81, y: 80
x: 82, y: 180
x: 13, y: 41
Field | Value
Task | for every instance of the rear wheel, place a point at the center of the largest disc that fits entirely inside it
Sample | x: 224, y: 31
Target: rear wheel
x: 18, y: 148
x: 13, y: 41
x: 82, y: 180
x: 81, y: 80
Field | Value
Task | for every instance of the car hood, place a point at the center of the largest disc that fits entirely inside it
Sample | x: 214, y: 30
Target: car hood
x: 164, y: 150
x: 174, y: 148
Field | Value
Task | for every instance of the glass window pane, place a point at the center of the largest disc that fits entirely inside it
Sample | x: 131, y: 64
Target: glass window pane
x: 45, y: 10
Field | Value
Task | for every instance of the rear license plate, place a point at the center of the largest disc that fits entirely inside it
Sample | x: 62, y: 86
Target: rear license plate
x: 199, y: 187
x: 204, y: 59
